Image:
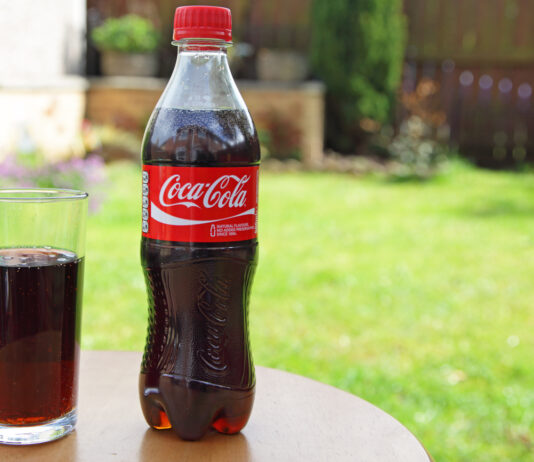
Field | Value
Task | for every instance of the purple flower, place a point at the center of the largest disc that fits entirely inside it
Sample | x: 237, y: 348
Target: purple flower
x: 30, y: 170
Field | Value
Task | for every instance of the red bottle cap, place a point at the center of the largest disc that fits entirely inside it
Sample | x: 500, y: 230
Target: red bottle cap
x: 212, y: 22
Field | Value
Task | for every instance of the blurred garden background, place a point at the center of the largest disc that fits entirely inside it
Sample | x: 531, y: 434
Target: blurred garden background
x: 397, y: 190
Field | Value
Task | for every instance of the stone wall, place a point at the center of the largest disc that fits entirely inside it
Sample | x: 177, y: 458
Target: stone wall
x: 124, y: 102
x: 128, y: 102
x: 300, y: 105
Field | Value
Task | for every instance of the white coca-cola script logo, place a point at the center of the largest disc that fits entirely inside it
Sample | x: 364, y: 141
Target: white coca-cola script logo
x: 225, y: 191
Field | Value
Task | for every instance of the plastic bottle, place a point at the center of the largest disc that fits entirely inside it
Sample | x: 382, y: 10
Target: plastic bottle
x: 199, y: 246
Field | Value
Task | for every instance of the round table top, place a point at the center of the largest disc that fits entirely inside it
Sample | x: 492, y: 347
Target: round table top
x: 294, y: 418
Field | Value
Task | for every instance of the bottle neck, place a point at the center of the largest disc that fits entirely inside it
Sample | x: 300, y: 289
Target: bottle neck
x: 202, y: 45
x: 201, y: 78
x: 201, y: 58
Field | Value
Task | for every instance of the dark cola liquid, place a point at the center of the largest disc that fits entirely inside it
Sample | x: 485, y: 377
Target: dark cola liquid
x: 197, y: 370
x: 40, y: 303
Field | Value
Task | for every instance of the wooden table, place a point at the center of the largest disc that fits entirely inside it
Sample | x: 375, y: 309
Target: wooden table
x: 294, y: 419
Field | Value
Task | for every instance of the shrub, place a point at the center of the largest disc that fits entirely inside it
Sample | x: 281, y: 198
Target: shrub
x: 127, y: 34
x: 420, y: 148
x: 357, y: 50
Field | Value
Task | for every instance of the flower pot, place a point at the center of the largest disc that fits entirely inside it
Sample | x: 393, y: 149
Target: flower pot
x: 130, y: 64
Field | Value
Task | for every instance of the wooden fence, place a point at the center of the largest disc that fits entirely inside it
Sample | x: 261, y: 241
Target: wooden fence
x: 481, y: 53
x: 471, y: 31
x: 490, y: 110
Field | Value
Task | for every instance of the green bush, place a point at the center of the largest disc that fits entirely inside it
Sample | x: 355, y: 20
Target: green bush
x: 357, y: 50
x: 127, y: 34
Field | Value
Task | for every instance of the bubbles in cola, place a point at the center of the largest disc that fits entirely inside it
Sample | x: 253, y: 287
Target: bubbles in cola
x: 40, y: 298
x: 199, y: 246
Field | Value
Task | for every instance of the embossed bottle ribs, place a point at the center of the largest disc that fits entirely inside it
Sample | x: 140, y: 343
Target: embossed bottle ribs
x: 212, y: 303
x: 197, y: 370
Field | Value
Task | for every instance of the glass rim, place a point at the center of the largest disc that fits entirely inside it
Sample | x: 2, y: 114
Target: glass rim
x: 35, y: 195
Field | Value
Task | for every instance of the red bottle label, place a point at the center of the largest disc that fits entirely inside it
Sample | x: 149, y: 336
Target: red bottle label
x: 200, y: 204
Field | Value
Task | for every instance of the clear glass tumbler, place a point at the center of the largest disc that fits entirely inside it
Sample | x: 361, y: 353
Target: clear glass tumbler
x: 42, y: 241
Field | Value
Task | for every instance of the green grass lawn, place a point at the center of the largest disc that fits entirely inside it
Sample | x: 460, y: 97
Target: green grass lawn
x: 416, y: 297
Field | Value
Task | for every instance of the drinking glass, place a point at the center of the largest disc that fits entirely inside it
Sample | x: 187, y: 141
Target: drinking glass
x: 42, y: 240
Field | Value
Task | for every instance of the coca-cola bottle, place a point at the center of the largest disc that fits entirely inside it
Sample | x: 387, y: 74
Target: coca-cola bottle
x: 199, y: 248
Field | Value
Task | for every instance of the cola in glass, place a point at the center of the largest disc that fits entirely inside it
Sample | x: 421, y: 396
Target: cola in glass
x: 199, y: 241
x: 40, y: 302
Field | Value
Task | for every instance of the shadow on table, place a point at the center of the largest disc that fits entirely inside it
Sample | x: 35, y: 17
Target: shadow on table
x: 158, y: 445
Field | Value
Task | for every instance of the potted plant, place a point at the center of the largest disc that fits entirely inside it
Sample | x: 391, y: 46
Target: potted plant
x: 128, y: 46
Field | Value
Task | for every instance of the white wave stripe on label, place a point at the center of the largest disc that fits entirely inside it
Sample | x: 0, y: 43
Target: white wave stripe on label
x: 159, y: 215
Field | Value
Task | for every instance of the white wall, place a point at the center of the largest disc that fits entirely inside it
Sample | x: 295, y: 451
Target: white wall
x: 42, y: 61
x: 41, y: 39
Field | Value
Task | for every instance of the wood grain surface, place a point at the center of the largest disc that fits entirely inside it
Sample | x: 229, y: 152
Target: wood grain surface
x: 294, y: 418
